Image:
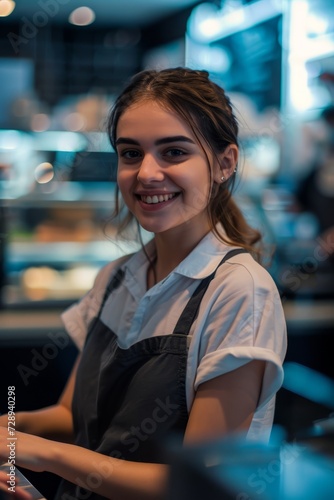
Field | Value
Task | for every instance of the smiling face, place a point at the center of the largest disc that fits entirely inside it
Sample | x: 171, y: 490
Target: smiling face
x: 163, y: 173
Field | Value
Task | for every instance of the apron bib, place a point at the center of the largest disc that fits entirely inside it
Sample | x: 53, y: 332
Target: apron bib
x: 127, y: 402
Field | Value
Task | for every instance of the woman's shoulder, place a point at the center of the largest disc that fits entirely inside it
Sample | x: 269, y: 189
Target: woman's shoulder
x: 243, y: 272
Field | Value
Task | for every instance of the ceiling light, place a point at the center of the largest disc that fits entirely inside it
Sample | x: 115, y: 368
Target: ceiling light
x: 40, y: 122
x: 207, y: 23
x: 44, y: 173
x: 6, y: 7
x: 74, y: 121
x: 82, y: 16
x: 317, y: 25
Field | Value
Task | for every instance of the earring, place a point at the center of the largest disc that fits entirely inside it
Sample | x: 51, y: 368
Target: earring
x: 235, y: 170
x: 222, y: 179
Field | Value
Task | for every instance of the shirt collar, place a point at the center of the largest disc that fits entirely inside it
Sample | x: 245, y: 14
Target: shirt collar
x: 200, y: 263
x: 204, y: 258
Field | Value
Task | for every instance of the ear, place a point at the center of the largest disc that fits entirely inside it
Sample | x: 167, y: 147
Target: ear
x: 227, y: 163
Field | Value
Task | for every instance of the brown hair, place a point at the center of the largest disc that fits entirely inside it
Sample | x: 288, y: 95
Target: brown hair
x: 205, y: 107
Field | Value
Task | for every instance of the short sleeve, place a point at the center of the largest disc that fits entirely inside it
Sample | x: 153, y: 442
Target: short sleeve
x: 79, y: 316
x: 245, y: 322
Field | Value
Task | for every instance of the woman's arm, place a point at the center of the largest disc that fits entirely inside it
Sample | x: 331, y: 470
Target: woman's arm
x: 53, y: 422
x: 107, y: 476
x: 226, y: 403
x: 222, y: 405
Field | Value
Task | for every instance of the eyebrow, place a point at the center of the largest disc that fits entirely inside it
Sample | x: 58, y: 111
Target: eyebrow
x: 158, y: 142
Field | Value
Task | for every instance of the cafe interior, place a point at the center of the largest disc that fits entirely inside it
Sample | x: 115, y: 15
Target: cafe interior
x: 62, y: 64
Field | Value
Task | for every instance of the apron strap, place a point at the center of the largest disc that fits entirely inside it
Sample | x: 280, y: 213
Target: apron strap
x: 189, y: 313
x: 113, y: 284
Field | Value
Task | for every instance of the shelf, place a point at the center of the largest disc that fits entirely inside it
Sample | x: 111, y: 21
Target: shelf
x: 309, y: 314
x: 67, y: 252
x: 75, y: 194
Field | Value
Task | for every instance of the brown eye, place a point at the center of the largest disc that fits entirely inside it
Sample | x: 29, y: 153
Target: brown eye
x: 130, y: 154
x: 175, y: 152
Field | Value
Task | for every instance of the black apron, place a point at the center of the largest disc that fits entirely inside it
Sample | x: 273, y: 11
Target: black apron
x: 127, y: 402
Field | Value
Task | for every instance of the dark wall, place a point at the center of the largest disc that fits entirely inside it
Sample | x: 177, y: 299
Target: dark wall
x: 72, y: 60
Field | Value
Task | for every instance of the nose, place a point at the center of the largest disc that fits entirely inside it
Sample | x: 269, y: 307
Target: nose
x: 150, y: 170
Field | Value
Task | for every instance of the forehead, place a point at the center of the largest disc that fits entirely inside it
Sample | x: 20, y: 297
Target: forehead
x: 151, y: 117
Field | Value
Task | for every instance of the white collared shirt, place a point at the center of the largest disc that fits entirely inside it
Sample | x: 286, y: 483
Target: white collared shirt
x: 240, y: 318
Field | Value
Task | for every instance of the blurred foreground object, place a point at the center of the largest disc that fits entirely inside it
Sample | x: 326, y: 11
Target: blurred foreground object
x: 234, y: 469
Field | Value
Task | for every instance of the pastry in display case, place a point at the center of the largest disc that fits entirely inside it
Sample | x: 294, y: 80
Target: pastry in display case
x: 56, y: 231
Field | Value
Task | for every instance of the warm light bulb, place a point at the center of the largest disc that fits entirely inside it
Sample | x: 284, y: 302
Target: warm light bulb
x: 6, y: 7
x: 82, y: 16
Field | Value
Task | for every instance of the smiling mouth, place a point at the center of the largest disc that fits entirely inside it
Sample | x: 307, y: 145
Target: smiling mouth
x: 157, y: 198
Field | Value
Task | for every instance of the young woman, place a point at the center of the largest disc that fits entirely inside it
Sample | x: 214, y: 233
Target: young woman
x: 185, y: 337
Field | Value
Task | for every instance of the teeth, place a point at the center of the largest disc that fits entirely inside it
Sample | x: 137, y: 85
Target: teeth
x: 157, y: 198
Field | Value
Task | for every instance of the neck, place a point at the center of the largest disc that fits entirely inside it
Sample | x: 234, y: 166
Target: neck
x: 173, y: 247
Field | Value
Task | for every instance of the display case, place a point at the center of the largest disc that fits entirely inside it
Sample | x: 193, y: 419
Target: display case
x: 57, y: 193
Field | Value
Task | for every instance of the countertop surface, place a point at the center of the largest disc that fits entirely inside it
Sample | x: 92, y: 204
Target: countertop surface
x: 38, y: 322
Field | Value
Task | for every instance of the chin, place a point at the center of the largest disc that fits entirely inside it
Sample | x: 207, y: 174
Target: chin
x: 154, y: 228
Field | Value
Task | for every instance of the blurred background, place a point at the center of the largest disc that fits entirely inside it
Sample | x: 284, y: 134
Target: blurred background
x: 62, y: 63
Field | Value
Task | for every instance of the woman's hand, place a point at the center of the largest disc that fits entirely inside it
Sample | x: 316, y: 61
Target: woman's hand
x: 18, y: 493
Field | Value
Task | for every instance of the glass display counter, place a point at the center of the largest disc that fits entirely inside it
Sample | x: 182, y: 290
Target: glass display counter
x: 57, y: 195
